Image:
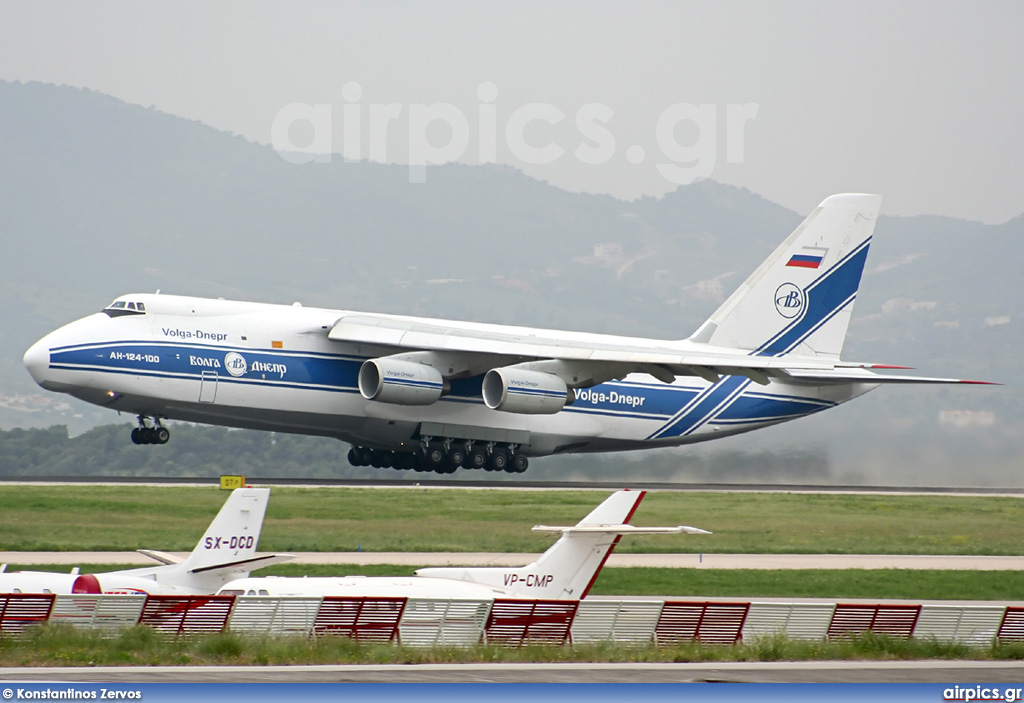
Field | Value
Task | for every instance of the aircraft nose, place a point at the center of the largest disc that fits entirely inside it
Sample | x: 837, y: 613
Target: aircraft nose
x: 37, y: 360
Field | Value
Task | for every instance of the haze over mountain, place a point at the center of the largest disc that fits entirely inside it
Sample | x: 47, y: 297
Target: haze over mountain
x: 101, y: 198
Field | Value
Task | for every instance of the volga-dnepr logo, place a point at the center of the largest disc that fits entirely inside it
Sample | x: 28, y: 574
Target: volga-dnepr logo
x: 789, y: 300
x: 235, y: 364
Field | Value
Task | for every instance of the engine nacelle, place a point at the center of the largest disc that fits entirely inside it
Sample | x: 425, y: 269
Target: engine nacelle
x: 118, y: 583
x: 400, y: 382
x: 519, y: 391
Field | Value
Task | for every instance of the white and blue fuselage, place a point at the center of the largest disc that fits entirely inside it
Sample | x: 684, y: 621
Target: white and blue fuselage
x: 273, y: 367
x: 441, y: 394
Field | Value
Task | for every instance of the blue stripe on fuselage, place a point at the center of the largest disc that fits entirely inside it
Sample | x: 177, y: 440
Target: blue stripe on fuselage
x: 766, y: 407
x: 685, y: 407
x: 703, y: 407
x: 180, y: 360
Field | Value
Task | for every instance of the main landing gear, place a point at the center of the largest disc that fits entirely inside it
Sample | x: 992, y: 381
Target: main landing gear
x: 143, y: 434
x: 444, y: 457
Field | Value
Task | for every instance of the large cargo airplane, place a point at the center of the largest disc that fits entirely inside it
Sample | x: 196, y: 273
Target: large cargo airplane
x: 227, y: 551
x: 436, y: 395
x: 566, y: 571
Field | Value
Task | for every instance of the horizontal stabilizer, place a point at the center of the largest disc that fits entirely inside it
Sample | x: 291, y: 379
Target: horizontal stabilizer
x: 256, y: 562
x: 622, y: 530
x: 162, y: 557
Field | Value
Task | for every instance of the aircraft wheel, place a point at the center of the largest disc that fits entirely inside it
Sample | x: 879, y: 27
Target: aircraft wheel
x: 456, y: 457
x: 476, y: 458
x: 405, y: 461
x: 136, y: 436
x: 353, y: 457
x: 434, y: 456
x: 161, y: 435
x: 148, y: 435
x: 376, y: 459
x: 519, y: 463
x: 499, y: 459
x: 418, y: 461
x: 387, y: 460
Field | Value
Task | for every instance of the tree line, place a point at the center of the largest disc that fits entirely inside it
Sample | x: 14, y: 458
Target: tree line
x: 207, y: 452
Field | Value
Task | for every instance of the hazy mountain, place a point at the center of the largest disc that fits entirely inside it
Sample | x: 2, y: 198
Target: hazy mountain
x: 100, y: 198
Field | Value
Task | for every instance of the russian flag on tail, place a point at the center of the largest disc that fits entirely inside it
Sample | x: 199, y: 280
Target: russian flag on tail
x: 808, y: 258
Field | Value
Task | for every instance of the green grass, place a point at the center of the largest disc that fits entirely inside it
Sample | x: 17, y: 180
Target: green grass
x: 743, y: 584
x: 171, y: 518
x: 62, y: 645
x: 101, y: 518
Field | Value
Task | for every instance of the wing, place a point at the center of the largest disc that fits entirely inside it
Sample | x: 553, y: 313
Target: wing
x: 587, y: 359
x: 864, y: 376
x: 664, y: 360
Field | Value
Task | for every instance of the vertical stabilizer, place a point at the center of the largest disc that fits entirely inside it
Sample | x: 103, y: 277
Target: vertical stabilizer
x: 226, y: 551
x: 234, y: 533
x: 569, y: 568
x: 799, y: 301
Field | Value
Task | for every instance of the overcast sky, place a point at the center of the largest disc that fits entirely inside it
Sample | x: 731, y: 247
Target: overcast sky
x: 920, y: 101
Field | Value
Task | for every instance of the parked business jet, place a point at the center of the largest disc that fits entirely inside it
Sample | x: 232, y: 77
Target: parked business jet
x: 227, y: 551
x: 436, y: 395
x: 565, y: 571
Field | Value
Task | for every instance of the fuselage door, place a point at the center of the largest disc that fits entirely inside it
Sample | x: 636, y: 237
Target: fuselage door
x: 208, y: 387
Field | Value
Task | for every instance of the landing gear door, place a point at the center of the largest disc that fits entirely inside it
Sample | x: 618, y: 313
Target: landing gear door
x: 208, y: 387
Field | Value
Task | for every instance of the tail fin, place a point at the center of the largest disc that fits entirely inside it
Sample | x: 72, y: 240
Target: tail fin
x: 226, y: 551
x: 234, y: 533
x: 799, y: 301
x: 569, y: 568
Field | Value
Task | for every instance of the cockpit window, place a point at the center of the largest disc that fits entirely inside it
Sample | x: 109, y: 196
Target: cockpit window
x: 120, y: 308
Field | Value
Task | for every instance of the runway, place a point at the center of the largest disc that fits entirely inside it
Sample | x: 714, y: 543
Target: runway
x: 521, y: 483
x: 763, y: 672
x: 678, y: 561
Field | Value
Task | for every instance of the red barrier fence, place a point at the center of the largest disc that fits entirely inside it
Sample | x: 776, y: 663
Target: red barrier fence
x: 513, y: 623
x: 1011, y: 629
x: 365, y: 619
x: 705, y: 622
x: 893, y: 620
x: 187, y: 614
x: 21, y: 610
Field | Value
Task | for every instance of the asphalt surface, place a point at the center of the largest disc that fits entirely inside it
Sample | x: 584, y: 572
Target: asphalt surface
x: 393, y: 479
x: 762, y: 672
x: 692, y: 561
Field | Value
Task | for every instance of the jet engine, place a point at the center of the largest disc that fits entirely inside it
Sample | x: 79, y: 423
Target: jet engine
x: 400, y: 382
x: 529, y: 392
x: 117, y: 583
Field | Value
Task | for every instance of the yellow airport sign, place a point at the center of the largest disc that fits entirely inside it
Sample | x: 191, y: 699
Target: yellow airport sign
x: 230, y: 483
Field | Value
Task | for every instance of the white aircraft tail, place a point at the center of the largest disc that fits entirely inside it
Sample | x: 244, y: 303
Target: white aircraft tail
x: 569, y: 568
x: 799, y: 301
x: 225, y: 552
